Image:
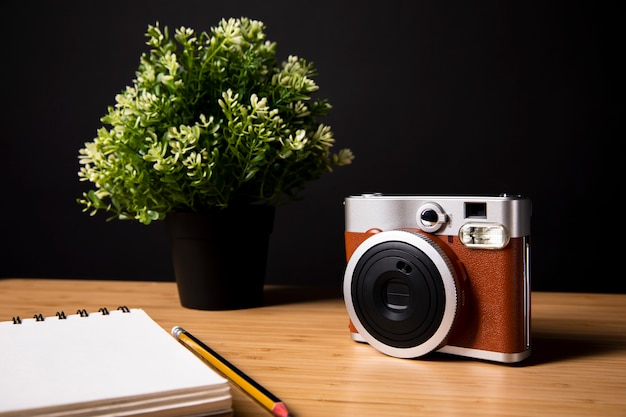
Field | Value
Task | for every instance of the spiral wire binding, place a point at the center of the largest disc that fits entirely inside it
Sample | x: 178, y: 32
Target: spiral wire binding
x: 81, y: 312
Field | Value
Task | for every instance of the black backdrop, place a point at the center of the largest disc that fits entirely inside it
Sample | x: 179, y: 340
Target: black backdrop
x: 432, y: 97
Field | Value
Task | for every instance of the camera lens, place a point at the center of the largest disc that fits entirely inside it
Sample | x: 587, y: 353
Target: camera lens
x: 400, y: 293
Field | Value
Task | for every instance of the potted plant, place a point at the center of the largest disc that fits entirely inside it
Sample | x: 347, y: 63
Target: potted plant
x: 211, y: 127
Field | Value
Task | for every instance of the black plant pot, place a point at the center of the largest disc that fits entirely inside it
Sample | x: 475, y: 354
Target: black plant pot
x: 220, y: 257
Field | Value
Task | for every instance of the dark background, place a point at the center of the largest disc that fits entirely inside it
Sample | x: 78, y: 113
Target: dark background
x: 466, y: 97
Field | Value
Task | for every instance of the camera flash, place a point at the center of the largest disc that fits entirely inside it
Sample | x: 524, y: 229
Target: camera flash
x: 484, y: 235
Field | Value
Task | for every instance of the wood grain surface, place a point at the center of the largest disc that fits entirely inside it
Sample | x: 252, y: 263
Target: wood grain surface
x: 298, y: 346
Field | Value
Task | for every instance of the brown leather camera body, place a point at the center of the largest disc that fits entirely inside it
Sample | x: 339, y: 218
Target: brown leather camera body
x: 493, y: 307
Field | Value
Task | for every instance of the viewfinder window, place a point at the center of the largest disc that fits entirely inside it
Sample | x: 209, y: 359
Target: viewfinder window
x: 476, y: 210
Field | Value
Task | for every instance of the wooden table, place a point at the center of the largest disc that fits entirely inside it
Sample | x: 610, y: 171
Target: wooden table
x: 298, y: 347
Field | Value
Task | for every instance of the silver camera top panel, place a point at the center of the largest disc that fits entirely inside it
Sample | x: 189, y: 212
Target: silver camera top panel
x: 389, y: 212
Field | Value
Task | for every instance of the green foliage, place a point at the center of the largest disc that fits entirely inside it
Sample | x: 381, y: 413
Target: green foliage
x: 211, y: 120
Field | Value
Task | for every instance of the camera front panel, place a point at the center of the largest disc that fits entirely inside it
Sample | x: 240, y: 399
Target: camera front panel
x: 495, y: 320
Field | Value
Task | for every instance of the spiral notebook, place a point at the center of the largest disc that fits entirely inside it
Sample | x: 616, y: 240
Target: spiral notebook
x: 104, y: 363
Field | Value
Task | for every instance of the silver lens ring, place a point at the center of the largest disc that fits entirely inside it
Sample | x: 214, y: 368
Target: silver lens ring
x: 446, y: 277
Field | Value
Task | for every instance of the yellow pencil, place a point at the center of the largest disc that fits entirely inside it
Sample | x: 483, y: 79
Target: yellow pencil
x: 243, y: 381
